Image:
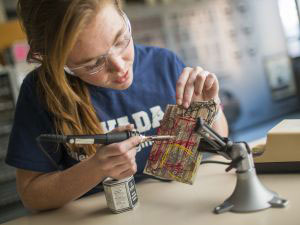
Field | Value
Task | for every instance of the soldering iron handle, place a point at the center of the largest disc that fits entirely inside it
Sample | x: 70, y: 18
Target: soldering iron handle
x: 52, y: 138
x: 104, y: 139
x: 111, y: 138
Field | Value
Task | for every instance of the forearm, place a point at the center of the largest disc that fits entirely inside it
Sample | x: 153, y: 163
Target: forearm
x: 53, y: 190
x: 220, y: 124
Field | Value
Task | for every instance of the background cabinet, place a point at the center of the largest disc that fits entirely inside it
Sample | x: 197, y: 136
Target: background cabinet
x: 10, y: 205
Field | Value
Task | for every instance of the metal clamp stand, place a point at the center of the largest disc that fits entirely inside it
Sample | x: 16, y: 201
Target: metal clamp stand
x: 249, y: 194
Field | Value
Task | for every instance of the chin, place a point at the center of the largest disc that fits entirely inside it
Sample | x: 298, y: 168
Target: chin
x: 123, y: 86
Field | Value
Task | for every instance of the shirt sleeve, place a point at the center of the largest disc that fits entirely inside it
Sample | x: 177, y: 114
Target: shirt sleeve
x: 30, y: 121
x: 179, y: 65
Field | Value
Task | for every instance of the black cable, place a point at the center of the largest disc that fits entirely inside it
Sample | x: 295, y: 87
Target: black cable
x: 48, y: 155
x: 234, y: 163
x: 246, y: 144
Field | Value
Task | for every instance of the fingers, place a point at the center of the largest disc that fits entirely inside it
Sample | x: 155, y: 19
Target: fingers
x: 118, y: 153
x: 124, y: 171
x: 189, y: 88
x: 118, y: 158
x: 210, y: 79
x: 121, y: 166
x: 129, y: 156
x: 211, y: 87
x: 206, y: 86
x: 180, y: 85
x: 122, y: 147
x: 196, y: 84
x: 128, y: 173
x: 199, y: 83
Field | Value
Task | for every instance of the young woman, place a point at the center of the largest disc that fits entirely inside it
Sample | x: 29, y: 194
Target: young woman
x: 92, y: 79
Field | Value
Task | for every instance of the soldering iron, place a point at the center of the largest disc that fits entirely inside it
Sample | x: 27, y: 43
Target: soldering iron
x: 104, y: 139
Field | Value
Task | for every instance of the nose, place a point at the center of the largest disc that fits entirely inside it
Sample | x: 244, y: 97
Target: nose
x: 117, y: 63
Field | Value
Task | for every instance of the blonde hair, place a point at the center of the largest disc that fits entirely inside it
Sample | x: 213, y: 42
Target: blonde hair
x: 52, y: 28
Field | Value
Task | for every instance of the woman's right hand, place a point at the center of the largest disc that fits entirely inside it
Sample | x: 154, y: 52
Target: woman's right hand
x: 117, y: 160
x: 41, y: 191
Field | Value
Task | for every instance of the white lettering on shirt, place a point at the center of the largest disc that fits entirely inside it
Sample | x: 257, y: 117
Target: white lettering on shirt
x: 123, y: 121
x: 157, y: 116
x: 108, y: 125
x: 142, y: 121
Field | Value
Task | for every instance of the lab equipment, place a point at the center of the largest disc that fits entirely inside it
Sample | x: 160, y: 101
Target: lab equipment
x: 249, y: 194
x: 280, y: 152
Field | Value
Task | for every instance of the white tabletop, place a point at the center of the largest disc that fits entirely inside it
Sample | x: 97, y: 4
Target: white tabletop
x: 176, y: 203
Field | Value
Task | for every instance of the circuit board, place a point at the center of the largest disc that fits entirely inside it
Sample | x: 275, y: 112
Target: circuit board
x: 178, y: 159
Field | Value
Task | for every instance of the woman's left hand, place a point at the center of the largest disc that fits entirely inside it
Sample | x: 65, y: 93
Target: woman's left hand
x: 196, y: 84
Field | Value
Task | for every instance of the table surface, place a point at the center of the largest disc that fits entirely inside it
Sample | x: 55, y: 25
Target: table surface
x: 177, y: 203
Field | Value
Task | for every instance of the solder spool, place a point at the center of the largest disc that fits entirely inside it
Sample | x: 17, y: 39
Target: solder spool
x: 120, y: 195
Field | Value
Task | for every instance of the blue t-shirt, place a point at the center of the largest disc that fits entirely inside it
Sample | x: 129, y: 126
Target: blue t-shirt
x: 155, y: 70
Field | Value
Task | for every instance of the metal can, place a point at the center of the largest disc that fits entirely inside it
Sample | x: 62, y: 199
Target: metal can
x: 120, y: 195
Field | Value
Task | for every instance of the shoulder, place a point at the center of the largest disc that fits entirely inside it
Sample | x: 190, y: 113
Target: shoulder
x: 28, y: 93
x: 146, y: 56
x: 142, y: 51
x: 31, y: 78
x: 29, y: 84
